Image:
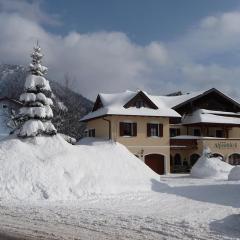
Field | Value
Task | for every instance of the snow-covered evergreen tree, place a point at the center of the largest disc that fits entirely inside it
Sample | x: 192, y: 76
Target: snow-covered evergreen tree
x: 36, y: 113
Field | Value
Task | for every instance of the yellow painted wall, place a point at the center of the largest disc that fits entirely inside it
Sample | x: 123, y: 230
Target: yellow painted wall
x: 234, y: 132
x: 100, y: 126
x: 140, y: 145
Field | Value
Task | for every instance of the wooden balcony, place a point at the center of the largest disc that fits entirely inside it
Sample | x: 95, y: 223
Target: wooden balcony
x: 183, y: 143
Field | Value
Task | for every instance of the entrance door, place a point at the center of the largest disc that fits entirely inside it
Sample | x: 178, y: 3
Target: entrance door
x: 155, y: 162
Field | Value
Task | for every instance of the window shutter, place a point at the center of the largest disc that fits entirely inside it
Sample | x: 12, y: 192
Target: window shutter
x: 160, y: 130
x: 121, y: 128
x: 148, y: 129
x: 134, y: 129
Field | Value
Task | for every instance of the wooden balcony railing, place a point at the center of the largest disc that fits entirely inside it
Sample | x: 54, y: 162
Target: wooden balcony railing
x: 183, y: 143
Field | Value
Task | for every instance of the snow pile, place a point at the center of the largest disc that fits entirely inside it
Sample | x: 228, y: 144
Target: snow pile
x: 50, y: 168
x: 210, y: 167
x: 234, y: 174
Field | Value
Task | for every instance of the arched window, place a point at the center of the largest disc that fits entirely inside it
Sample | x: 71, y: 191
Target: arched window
x: 193, y: 158
x: 234, y: 159
x: 177, y: 159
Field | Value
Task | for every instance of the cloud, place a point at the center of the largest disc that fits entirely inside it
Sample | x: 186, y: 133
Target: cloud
x: 30, y: 10
x: 206, y: 56
x: 101, y: 61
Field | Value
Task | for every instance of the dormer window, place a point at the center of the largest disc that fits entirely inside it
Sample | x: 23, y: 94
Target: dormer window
x: 140, y: 104
x: 140, y: 100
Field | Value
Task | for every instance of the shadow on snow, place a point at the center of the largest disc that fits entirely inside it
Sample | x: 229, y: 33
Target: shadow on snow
x: 228, y: 226
x: 222, y: 194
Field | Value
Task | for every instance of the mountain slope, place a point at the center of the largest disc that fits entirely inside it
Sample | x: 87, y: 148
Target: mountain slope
x: 69, y: 106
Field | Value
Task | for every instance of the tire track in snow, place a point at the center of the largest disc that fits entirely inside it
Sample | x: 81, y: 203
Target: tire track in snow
x: 42, y: 223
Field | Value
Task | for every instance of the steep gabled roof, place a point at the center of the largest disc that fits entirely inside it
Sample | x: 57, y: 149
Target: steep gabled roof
x: 173, y: 101
x: 180, y: 100
x: 117, y: 104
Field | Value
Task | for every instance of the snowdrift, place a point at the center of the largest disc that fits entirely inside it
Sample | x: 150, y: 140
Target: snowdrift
x: 210, y: 167
x: 234, y: 174
x: 50, y: 168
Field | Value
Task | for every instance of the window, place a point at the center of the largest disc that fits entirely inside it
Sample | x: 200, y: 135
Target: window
x: 140, y: 103
x: 219, y: 133
x: 4, y: 106
x: 91, y: 132
x: 154, y: 130
x: 174, y: 132
x: 196, y: 132
x: 128, y: 129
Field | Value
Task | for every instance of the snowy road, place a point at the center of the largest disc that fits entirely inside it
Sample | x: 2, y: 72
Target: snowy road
x: 96, y: 224
x: 190, y: 209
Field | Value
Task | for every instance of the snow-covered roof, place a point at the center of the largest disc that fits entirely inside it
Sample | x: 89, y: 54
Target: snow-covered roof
x: 208, y: 116
x: 178, y: 100
x: 113, y: 104
x: 172, y: 101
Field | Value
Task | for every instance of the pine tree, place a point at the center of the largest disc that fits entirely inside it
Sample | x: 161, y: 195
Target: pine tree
x: 36, y: 113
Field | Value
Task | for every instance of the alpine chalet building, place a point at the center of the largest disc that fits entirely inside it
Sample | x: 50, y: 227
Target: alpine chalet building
x: 170, y: 132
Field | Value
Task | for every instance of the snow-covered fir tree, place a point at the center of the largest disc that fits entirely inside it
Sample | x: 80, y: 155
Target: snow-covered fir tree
x: 36, y: 113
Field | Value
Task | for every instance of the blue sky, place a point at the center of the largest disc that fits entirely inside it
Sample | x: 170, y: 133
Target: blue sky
x: 159, y: 46
x: 142, y: 20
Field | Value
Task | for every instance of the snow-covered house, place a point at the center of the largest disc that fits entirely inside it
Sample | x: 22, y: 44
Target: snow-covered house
x: 8, y: 107
x: 138, y: 121
x: 169, y: 132
x: 209, y: 118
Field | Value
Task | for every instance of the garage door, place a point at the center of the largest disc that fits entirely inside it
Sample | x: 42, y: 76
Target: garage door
x: 155, y: 162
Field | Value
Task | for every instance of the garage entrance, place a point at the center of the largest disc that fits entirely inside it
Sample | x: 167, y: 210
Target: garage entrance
x: 155, y: 162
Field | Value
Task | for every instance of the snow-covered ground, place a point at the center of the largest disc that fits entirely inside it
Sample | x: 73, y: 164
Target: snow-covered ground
x: 50, y: 189
x: 49, y: 168
x: 187, y: 208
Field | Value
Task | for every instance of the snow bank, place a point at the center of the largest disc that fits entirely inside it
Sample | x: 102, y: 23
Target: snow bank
x: 210, y: 167
x: 50, y: 168
x: 234, y: 174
